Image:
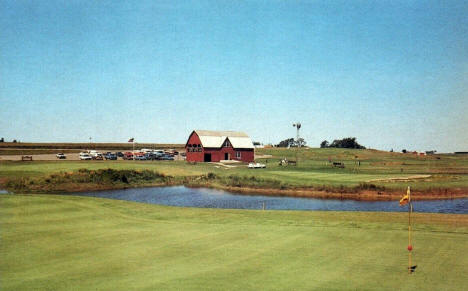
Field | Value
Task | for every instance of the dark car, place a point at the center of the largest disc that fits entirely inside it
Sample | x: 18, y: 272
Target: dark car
x: 119, y: 154
x: 151, y: 156
x: 97, y: 156
x: 110, y: 156
x: 167, y: 158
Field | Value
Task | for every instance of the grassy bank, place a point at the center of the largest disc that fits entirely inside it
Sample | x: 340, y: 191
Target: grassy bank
x: 65, y: 242
x: 105, y: 179
x: 369, y: 172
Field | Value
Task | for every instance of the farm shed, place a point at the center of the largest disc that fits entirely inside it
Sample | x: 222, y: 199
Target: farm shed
x: 214, y: 146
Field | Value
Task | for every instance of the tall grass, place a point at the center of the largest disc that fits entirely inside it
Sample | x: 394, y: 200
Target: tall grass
x: 85, y: 179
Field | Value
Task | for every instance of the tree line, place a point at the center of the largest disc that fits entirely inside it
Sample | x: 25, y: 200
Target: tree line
x: 290, y: 142
x: 347, y: 142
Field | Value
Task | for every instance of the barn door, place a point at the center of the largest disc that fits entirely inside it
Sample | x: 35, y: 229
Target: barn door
x: 207, y: 158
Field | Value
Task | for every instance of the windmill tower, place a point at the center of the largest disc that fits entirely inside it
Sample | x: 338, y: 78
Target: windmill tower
x: 297, y: 125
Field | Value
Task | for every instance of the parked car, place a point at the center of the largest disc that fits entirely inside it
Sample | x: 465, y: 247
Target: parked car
x: 151, y: 156
x: 172, y: 152
x: 95, y: 155
x: 61, y: 156
x: 140, y: 156
x: 128, y: 156
x: 110, y: 156
x: 167, y: 158
x: 85, y: 156
x: 119, y: 154
x: 256, y: 166
x: 98, y: 156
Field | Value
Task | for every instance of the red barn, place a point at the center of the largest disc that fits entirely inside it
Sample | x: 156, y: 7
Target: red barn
x: 214, y: 146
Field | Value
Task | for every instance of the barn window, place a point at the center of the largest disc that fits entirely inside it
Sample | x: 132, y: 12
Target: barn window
x: 238, y: 155
x: 226, y: 143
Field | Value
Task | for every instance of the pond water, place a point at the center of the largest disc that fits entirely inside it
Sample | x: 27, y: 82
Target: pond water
x: 211, y: 198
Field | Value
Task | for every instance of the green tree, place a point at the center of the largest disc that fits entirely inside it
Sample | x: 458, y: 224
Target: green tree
x: 347, y: 142
x: 286, y: 143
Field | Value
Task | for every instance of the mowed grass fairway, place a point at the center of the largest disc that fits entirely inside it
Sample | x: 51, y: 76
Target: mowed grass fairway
x: 50, y: 242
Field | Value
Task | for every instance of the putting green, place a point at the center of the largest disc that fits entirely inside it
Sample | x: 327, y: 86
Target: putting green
x: 80, y: 243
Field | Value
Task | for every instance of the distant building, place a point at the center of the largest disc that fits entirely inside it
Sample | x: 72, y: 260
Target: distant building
x: 214, y: 146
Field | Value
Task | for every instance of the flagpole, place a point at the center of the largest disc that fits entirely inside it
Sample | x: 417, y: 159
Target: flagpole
x: 410, y: 247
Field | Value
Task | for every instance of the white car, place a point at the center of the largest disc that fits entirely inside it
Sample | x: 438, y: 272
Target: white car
x: 85, y: 156
x: 256, y: 166
x: 94, y: 153
x: 61, y: 156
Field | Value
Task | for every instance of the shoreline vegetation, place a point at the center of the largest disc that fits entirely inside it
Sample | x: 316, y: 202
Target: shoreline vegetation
x: 334, y: 173
x: 84, y: 180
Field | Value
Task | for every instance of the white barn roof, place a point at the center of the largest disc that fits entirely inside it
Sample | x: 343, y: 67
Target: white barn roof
x: 215, y: 139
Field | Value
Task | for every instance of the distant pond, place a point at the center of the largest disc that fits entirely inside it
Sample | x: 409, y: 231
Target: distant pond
x: 211, y: 198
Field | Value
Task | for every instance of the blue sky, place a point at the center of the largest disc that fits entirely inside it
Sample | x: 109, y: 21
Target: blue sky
x: 394, y: 74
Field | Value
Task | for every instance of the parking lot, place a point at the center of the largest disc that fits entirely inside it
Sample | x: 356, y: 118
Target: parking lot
x: 70, y: 157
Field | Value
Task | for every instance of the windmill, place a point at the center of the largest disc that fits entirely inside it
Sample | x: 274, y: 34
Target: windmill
x: 297, y: 125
